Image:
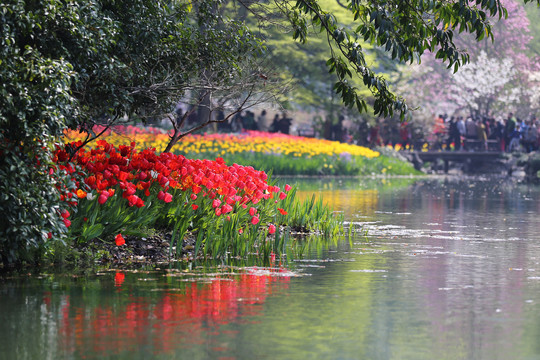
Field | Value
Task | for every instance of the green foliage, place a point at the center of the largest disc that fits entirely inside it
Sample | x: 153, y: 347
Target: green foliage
x: 28, y: 211
x: 71, y: 63
x: 312, y: 215
x: 404, y: 29
x: 280, y: 164
x: 306, y: 63
x: 35, y: 106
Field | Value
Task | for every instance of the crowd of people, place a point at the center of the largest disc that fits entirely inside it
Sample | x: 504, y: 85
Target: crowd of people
x: 509, y: 134
x: 246, y: 120
x: 458, y: 133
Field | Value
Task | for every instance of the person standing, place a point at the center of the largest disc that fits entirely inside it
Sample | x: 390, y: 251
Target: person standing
x: 274, y: 127
x: 461, y: 128
x: 284, y: 124
x: 249, y: 122
x: 405, y: 135
x: 470, y: 125
x: 530, y: 137
x: 509, y: 128
x: 482, y: 135
x: 515, y: 139
x: 453, y: 135
x: 261, y: 121
x: 498, y: 133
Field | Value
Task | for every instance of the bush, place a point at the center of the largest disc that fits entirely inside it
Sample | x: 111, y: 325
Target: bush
x: 34, y: 104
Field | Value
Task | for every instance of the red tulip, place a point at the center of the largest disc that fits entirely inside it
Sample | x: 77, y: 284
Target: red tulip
x: 226, y: 208
x: 161, y: 195
x: 119, y: 240
x: 102, y: 199
x: 271, y: 229
x: 168, y: 198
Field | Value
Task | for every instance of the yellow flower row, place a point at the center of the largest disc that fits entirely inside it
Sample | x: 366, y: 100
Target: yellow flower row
x: 252, y: 141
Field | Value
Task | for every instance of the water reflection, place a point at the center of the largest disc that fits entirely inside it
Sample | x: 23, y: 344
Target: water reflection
x: 450, y: 271
x: 144, y: 314
x: 453, y: 269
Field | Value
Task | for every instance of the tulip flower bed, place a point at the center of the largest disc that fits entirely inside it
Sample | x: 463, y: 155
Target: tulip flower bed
x: 230, y: 210
x: 282, y: 154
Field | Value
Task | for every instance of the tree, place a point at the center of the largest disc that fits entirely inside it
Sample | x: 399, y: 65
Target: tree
x: 406, y: 29
x: 36, y: 104
x: 74, y: 63
x: 483, y: 84
x: 164, y: 52
x: 305, y: 65
x: 478, y: 88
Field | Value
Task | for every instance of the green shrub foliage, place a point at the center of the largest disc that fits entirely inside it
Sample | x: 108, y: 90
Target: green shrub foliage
x: 66, y: 64
x: 35, y: 105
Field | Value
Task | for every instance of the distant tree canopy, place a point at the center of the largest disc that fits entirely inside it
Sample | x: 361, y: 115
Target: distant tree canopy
x: 499, y: 78
x: 405, y: 29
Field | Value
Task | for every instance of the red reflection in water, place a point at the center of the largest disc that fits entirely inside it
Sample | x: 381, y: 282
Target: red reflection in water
x: 119, y: 278
x: 169, y: 321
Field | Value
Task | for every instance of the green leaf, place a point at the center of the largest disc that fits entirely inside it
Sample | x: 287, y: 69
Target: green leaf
x: 92, y: 231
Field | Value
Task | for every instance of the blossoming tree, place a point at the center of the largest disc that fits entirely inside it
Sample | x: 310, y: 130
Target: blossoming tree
x: 482, y: 86
x: 497, y: 78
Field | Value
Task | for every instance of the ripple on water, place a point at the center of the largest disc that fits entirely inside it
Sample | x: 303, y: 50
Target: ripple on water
x: 324, y: 260
x: 273, y: 272
x: 464, y: 287
x: 471, y: 256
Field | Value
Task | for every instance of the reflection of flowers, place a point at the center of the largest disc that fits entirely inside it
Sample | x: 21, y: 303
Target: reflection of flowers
x: 175, y: 318
x: 119, y: 278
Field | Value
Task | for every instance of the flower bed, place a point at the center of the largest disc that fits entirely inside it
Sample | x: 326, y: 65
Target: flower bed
x: 117, y: 190
x: 279, y: 153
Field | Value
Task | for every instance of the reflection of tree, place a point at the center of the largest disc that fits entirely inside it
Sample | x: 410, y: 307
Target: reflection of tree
x: 350, y: 201
x: 351, y: 198
x: 472, y: 272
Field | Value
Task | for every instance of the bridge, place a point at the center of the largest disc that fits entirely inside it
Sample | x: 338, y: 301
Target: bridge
x: 469, y: 158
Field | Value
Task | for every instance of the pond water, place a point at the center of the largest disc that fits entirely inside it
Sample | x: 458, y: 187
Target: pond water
x: 449, y: 269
